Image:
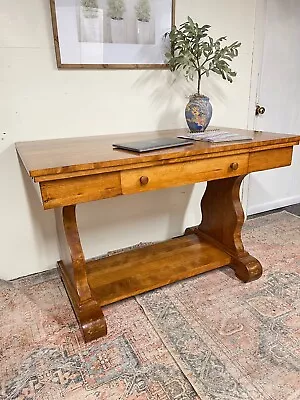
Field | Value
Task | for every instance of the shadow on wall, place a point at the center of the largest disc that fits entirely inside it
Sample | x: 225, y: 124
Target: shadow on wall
x: 103, y: 225
x: 127, y: 220
x: 169, y: 99
x: 43, y: 221
x: 151, y: 216
x: 28, y: 240
x: 112, y: 223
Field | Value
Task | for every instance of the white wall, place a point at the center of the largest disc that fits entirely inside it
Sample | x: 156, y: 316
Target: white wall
x: 40, y: 102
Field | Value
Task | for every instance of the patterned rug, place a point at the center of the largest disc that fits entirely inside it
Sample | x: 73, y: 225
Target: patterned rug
x: 210, y: 337
x: 239, y: 341
x: 43, y: 356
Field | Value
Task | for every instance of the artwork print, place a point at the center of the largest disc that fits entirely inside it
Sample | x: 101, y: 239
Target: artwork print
x: 111, y: 33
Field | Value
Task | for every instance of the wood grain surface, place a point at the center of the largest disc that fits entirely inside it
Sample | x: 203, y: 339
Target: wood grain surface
x: 76, y: 170
x: 123, y: 275
x: 58, y: 156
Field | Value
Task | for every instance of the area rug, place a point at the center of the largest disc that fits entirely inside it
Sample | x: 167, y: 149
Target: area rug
x: 43, y: 356
x: 239, y: 341
x: 210, y: 337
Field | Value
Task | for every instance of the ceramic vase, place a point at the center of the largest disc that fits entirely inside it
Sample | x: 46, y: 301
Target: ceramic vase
x: 198, y: 113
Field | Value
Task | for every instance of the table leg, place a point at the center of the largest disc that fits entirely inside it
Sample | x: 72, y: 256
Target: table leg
x: 222, y: 221
x: 74, y: 275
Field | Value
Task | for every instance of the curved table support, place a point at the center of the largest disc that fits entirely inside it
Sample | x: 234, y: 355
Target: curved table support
x: 222, y: 221
x: 73, y: 272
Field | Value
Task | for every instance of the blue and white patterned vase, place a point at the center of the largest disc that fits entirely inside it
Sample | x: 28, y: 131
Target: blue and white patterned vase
x: 198, y: 112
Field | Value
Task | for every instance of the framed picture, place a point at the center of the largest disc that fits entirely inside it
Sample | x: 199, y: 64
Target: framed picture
x: 124, y: 34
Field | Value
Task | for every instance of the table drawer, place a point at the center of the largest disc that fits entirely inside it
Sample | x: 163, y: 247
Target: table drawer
x: 183, y: 173
x: 267, y: 159
x: 81, y: 189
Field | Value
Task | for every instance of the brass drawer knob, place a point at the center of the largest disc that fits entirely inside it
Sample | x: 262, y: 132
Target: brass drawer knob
x: 234, y: 166
x: 144, y: 180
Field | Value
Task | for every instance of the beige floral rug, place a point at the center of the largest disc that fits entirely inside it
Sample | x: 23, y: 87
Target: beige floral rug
x: 210, y: 337
x: 43, y: 356
x: 239, y: 341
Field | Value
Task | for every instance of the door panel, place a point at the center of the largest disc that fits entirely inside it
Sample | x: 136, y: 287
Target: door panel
x: 279, y: 93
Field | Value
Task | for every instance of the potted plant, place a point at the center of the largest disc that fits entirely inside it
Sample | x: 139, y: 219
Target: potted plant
x: 116, y: 9
x: 143, y: 15
x: 195, y: 53
x: 90, y: 8
x: 90, y: 21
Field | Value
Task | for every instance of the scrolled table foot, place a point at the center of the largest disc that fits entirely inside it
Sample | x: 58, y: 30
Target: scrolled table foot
x: 91, y: 320
x: 247, y: 268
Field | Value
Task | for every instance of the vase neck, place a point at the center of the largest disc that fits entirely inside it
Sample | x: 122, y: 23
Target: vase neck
x: 197, y: 96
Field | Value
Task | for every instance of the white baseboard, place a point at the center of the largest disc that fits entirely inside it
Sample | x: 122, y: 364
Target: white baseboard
x: 272, y: 205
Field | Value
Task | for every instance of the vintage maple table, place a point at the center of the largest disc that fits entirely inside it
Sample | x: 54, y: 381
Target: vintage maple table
x: 78, y: 170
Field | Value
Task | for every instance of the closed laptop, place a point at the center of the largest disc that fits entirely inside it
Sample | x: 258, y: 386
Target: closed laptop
x: 141, y: 146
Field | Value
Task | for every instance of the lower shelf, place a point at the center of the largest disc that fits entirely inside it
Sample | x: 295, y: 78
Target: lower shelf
x: 137, y: 271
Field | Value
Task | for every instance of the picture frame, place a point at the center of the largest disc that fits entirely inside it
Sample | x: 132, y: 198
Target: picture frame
x: 111, y: 34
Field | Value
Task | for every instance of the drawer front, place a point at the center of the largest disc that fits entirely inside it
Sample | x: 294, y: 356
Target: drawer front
x: 268, y: 159
x: 152, y: 178
x: 64, y: 192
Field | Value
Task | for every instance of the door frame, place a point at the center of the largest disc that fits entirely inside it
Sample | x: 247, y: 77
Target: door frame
x: 256, y: 70
x: 257, y: 59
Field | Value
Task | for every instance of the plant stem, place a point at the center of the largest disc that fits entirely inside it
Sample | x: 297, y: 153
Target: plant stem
x: 207, y: 59
x: 199, y: 80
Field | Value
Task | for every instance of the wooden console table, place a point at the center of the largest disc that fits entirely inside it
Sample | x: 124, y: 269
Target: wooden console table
x: 78, y: 170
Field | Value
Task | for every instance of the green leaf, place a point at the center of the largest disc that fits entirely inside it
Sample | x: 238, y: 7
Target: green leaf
x: 193, y: 50
x: 232, y: 73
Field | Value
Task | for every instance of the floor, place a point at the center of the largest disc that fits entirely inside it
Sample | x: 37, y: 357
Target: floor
x: 293, y: 209
x: 176, y: 343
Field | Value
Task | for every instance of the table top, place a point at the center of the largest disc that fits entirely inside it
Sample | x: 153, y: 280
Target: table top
x: 56, y: 156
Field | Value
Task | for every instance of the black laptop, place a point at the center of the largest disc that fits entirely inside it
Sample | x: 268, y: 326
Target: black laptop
x: 142, y: 146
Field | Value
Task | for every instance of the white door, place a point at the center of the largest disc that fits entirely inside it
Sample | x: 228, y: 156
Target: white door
x: 279, y: 93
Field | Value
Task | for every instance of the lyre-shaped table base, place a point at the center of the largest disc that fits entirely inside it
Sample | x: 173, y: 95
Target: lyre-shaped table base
x: 73, y: 270
x: 222, y: 221
x: 214, y: 243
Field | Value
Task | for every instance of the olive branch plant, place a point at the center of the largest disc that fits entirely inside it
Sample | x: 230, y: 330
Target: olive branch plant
x: 193, y: 51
